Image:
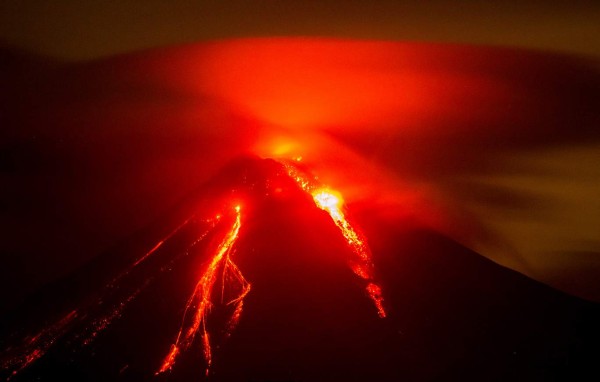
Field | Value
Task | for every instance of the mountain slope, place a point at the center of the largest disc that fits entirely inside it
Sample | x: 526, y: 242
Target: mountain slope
x: 450, y: 313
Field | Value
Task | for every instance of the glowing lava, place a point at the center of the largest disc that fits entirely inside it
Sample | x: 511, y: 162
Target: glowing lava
x: 221, y: 286
x: 202, y: 299
x: 83, y: 325
x: 332, y: 202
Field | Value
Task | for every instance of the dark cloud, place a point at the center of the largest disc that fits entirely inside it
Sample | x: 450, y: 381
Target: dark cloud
x: 71, y: 29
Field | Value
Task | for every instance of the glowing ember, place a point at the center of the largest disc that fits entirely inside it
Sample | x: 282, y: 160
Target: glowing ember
x: 202, y: 299
x: 332, y: 202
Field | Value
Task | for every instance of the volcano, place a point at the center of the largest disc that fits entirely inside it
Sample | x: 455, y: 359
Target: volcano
x: 264, y: 275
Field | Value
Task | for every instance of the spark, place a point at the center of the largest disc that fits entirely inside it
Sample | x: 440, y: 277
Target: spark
x: 202, y: 299
x: 332, y: 202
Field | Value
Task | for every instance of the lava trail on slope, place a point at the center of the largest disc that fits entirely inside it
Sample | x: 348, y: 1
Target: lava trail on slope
x: 263, y: 275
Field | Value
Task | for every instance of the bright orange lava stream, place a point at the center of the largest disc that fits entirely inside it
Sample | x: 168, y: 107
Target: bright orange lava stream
x: 220, y: 272
x: 201, y: 299
x: 36, y: 346
x: 332, y: 202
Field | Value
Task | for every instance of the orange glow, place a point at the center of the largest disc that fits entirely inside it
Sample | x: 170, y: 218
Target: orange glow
x: 202, y: 299
x: 324, y: 84
x: 332, y: 202
x: 374, y: 291
x: 281, y: 144
x: 328, y: 200
x: 313, y: 83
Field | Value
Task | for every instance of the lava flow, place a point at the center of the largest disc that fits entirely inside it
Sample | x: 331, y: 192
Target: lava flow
x: 332, y: 202
x: 201, y: 299
x: 221, y: 286
x: 82, y: 325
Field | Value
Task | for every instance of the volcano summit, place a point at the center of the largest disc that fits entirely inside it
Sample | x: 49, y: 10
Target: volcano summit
x: 264, y: 274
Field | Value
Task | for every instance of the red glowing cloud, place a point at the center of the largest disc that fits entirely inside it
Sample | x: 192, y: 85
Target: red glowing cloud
x: 402, y: 129
x: 332, y: 84
x: 401, y: 133
x: 424, y: 127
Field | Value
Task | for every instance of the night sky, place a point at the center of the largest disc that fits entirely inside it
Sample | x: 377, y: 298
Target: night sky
x: 75, y: 30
